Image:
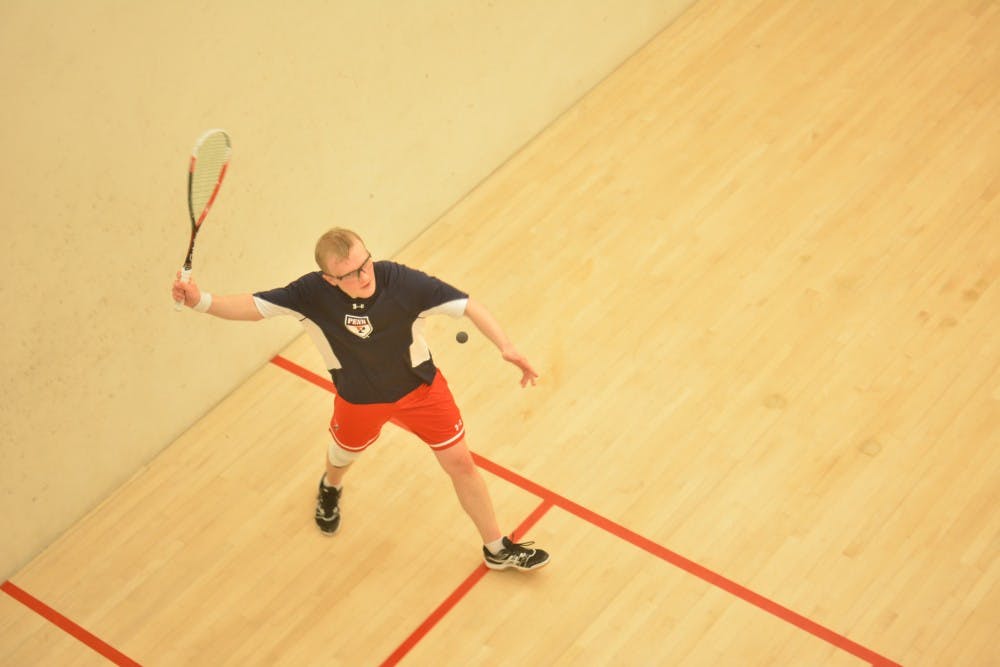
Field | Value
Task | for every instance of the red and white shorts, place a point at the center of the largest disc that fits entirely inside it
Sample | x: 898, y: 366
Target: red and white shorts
x: 429, y: 411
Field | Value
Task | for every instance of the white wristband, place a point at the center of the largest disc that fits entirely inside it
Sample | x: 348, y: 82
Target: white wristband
x: 204, y: 303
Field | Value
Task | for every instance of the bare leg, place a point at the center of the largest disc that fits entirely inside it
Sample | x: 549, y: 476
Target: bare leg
x: 471, y: 489
x: 335, y: 475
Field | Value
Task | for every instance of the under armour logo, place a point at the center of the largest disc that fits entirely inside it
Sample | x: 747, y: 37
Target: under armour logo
x: 357, y: 306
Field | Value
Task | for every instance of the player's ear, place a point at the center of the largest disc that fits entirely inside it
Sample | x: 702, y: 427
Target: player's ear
x: 330, y: 279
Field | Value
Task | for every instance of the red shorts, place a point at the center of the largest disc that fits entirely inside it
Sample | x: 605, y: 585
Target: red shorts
x: 429, y: 411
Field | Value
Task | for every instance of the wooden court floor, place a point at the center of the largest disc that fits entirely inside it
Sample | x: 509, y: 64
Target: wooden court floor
x: 757, y: 270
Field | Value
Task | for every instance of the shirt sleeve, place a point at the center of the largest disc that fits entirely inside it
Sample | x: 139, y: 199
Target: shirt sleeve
x: 292, y: 299
x: 431, y: 295
x: 454, y: 308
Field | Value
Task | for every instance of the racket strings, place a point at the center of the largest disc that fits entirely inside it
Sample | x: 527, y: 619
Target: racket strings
x: 208, y: 163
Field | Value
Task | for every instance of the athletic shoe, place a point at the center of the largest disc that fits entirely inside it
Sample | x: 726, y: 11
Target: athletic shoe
x: 515, y: 555
x: 327, y: 511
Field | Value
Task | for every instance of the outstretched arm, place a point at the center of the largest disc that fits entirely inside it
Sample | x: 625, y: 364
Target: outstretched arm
x: 228, y: 307
x: 487, y: 324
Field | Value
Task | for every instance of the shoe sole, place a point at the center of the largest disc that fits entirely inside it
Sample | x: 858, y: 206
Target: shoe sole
x: 506, y: 566
x: 328, y: 533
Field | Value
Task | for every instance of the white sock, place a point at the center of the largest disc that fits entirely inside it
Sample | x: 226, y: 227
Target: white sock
x: 339, y: 487
x: 495, y: 546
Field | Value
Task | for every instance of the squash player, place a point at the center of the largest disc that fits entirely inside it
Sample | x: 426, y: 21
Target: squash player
x: 365, y: 318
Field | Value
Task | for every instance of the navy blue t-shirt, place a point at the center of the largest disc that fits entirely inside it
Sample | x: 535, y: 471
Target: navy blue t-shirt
x: 374, y: 348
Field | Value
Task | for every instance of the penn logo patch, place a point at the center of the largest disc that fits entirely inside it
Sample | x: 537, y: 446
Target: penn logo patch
x: 360, y: 326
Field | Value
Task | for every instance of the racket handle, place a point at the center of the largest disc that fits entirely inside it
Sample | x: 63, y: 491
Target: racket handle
x: 185, y: 278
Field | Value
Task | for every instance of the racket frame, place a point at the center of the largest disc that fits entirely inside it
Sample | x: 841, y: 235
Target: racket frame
x: 198, y: 218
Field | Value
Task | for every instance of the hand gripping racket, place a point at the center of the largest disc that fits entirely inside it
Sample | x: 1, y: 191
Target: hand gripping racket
x: 209, y: 161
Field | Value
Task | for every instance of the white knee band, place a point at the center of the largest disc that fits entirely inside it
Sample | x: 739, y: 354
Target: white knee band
x: 340, y: 457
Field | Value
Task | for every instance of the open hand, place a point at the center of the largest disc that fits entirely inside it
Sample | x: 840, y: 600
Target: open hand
x: 528, y: 374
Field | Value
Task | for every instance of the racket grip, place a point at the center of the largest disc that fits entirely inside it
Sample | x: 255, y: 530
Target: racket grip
x: 185, y: 278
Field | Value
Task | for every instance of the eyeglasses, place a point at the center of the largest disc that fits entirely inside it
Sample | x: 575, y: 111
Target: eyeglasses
x: 356, y: 273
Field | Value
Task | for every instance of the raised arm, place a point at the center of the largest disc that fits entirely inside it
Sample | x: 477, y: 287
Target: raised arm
x: 490, y: 328
x: 228, y: 307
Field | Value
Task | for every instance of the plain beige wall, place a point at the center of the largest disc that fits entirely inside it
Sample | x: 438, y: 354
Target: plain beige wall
x: 374, y: 115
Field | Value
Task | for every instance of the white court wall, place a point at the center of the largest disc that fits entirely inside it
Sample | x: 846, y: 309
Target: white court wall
x: 377, y: 116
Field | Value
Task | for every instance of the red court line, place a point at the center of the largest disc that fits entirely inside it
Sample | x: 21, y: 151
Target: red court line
x: 303, y: 373
x: 688, y: 565
x: 460, y: 592
x: 661, y: 552
x: 57, y: 619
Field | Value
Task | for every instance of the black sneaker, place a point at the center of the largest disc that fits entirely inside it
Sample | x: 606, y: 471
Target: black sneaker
x: 515, y: 555
x: 327, y: 511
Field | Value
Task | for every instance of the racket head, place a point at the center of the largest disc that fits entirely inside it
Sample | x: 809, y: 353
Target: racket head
x: 207, y: 168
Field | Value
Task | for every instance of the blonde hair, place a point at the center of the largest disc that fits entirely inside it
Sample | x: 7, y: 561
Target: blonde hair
x: 336, y: 243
